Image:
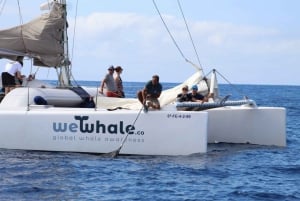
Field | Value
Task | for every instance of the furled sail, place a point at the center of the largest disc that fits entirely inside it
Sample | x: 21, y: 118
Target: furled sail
x: 41, y: 39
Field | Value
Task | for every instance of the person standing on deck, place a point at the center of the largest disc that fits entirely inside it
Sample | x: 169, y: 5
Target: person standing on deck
x: 11, y: 74
x: 118, y: 81
x: 109, y: 83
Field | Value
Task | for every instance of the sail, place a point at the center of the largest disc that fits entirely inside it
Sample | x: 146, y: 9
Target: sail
x: 41, y: 39
x: 168, y: 96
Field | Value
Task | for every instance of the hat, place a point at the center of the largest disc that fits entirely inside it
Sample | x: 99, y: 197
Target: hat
x: 185, y: 87
x: 118, y: 68
x: 194, y: 87
x: 111, y: 68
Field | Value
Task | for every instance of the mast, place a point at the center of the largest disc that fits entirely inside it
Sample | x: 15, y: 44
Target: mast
x: 65, y: 71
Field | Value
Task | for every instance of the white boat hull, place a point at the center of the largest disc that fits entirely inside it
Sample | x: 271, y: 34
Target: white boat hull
x: 261, y: 125
x: 25, y: 125
x: 56, y: 129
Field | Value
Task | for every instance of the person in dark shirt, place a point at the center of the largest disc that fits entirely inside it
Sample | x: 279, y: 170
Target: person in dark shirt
x: 197, y: 97
x: 184, y: 96
x: 149, y: 95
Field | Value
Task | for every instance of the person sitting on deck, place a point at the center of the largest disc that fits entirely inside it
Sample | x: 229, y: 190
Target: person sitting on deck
x: 150, y: 94
x: 197, y: 97
x: 184, y: 96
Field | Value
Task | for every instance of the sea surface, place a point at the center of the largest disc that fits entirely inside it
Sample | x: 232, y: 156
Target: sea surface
x: 226, y: 172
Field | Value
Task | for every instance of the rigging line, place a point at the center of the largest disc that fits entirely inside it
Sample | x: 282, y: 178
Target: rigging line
x: 232, y: 85
x: 194, y: 65
x: 187, y: 27
x: 73, y: 44
x: 169, y: 31
x: 74, y: 30
x: 74, y: 80
x: 115, y: 153
x: 20, y: 15
x: 21, y: 26
x: 2, y: 3
x: 37, y: 69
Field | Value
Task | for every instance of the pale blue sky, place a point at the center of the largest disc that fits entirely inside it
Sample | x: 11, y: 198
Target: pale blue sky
x: 247, y: 41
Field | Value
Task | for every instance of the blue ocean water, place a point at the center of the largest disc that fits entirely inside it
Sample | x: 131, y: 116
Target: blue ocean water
x: 225, y: 172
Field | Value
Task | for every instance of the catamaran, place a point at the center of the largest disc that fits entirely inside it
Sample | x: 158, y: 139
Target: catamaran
x: 62, y: 122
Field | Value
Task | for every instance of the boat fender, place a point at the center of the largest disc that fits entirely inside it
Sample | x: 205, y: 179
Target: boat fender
x: 39, y: 100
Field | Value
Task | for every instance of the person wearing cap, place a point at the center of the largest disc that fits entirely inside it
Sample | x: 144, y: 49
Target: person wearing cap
x: 11, y: 76
x: 109, y: 83
x: 184, y: 96
x: 197, y: 97
x: 118, y: 82
x: 149, y: 95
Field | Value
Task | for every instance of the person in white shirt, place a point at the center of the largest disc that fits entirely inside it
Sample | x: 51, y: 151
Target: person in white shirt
x: 12, y: 72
